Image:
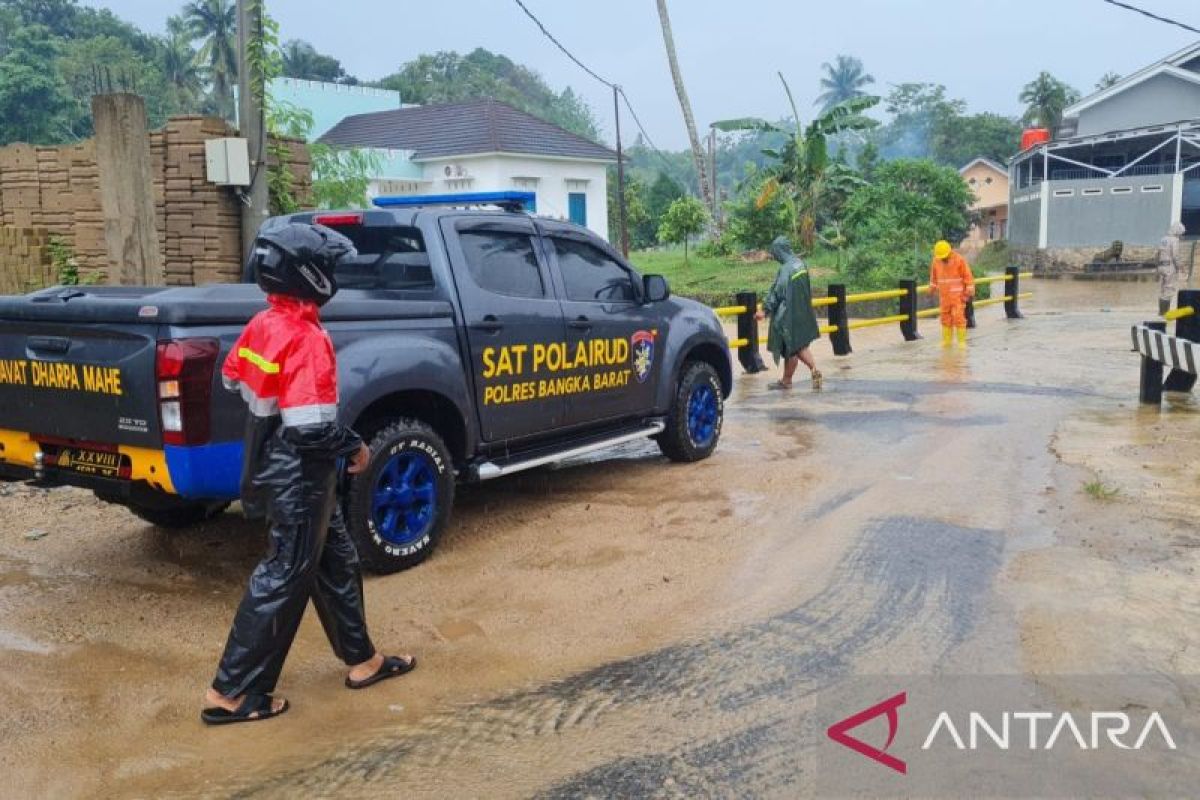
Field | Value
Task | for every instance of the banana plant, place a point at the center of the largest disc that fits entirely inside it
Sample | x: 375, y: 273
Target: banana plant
x: 803, y: 171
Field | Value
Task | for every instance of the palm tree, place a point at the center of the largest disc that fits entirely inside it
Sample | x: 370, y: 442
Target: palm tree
x: 844, y: 80
x: 215, y: 22
x: 1046, y: 97
x: 811, y: 182
x: 686, y: 105
x: 177, y: 60
x: 1107, y: 80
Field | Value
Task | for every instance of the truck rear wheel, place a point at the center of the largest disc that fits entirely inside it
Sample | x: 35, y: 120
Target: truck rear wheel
x: 694, y: 423
x: 398, y: 507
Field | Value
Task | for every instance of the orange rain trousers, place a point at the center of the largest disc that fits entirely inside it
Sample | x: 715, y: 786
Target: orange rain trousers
x: 952, y: 280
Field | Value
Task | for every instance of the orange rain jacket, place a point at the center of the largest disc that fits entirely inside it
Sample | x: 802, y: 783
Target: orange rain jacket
x: 952, y: 280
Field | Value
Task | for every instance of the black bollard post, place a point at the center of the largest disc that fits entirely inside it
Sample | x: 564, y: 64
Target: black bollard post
x: 908, y: 305
x: 1012, y: 288
x: 747, y: 328
x: 839, y: 316
x: 1185, y: 328
x: 1151, y: 389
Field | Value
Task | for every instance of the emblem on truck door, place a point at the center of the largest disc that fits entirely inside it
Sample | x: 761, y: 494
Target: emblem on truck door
x: 643, y: 354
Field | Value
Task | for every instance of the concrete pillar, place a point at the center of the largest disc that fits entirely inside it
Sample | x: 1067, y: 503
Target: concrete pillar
x: 127, y: 190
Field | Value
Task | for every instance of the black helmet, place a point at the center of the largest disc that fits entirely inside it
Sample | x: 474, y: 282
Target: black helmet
x: 298, y: 260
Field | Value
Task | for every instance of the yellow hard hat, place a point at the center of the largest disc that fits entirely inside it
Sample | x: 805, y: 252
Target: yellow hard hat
x: 942, y: 249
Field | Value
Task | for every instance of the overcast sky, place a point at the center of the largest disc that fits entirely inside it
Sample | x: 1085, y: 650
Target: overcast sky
x: 982, y: 50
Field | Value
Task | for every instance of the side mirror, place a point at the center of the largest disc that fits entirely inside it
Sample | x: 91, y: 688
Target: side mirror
x: 655, y: 288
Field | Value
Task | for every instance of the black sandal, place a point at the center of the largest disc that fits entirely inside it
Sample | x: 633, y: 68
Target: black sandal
x: 254, y: 707
x: 392, y: 667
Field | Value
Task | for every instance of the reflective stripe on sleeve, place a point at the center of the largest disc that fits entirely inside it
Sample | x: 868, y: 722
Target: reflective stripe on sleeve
x: 309, y: 415
x: 259, y: 406
x: 269, y: 367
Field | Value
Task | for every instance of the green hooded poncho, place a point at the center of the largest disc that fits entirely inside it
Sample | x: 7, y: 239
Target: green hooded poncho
x: 793, y: 325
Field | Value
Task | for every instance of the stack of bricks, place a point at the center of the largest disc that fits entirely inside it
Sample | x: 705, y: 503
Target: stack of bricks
x: 25, y: 262
x: 56, y: 190
x: 199, y: 222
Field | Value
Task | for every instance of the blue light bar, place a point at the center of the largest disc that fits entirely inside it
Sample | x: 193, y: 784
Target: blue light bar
x: 510, y: 200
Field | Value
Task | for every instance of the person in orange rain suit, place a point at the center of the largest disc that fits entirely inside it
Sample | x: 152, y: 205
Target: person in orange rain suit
x: 951, y: 280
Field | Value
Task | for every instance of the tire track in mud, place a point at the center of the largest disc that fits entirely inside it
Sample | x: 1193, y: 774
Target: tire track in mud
x: 919, y: 579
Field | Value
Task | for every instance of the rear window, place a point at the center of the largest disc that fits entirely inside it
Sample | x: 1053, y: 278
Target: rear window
x: 389, y: 257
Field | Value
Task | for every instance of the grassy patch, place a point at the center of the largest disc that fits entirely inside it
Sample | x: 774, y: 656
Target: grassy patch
x: 715, y: 280
x: 1097, y: 490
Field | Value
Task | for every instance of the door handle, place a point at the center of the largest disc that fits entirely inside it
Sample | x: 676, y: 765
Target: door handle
x: 489, y: 323
x: 581, y: 323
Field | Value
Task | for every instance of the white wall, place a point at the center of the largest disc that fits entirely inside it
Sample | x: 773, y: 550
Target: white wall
x: 551, y: 179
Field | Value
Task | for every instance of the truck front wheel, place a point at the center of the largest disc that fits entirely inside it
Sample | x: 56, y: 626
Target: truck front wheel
x: 697, y: 411
x: 398, y: 507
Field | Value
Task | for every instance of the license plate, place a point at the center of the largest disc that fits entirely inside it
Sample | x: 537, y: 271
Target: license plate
x: 89, y: 462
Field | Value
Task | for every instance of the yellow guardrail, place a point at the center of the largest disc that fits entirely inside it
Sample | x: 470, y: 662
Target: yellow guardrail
x: 907, y: 321
x: 863, y: 297
x: 871, y: 323
x: 1179, y: 313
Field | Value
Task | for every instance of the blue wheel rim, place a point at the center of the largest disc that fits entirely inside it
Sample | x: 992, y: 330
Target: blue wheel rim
x: 702, y: 415
x: 404, y: 502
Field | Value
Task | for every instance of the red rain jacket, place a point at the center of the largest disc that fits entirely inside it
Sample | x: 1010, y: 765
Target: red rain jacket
x: 285, y: 368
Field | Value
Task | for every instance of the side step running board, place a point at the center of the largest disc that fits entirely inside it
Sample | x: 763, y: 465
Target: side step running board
x: 489, y: 470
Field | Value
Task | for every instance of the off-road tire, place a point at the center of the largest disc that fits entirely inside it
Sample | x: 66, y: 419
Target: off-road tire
x: 402, y: 436
x: 677, y: 442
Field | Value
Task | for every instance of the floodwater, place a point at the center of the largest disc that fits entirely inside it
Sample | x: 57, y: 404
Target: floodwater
x: 625, y: 627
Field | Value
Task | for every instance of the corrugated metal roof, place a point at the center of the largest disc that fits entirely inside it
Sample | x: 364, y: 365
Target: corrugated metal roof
x: 455, y: 129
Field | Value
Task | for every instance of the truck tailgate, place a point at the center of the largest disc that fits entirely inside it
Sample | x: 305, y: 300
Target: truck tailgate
x: 85, y: 381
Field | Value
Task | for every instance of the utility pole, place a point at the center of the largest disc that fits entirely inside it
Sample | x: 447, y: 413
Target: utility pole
x: 251, y: 122
x: 620, y: 175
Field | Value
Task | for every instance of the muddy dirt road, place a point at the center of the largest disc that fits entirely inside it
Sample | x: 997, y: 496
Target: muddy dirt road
x: 629, y: 627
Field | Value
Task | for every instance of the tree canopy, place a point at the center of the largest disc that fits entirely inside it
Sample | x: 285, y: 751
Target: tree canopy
x: 447, y: 76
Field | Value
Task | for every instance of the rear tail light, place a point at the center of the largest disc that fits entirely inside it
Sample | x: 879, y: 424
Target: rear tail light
x: 335, y: 220
x: 184, y: 369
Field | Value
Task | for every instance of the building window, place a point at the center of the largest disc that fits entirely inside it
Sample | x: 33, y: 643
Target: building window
x: 991, y: 230
x: 1122, y: 190
x: 1152, y: 189
x: 988, y: 181
x: 1091, y: 192
x: 972, y: 181
x: 1064, y: 192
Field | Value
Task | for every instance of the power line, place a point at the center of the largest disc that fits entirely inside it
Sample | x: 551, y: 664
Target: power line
x: 560, y: 46
x: 662, y: 156
x: 1152, y: 15
x: 546, y: 32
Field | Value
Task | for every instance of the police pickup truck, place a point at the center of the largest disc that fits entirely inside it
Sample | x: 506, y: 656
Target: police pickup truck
x: 471, y: 344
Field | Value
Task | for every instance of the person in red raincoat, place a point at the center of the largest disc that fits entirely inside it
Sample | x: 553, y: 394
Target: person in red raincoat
x: 285, y: 368
x: 951, y: 280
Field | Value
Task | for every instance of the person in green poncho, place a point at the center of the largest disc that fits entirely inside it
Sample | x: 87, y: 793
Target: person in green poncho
x: 793, y: 325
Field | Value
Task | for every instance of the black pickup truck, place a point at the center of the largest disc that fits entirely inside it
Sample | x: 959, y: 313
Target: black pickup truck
x: 471, y: 344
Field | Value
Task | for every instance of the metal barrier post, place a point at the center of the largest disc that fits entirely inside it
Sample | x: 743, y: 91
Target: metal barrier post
x: 1185, y: 328
x: 747, y: 328
x: 839, y: 316
x: 1012, y: 290
x: 908, y: 305
x: 1151, y: 388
